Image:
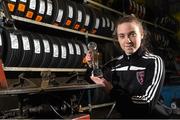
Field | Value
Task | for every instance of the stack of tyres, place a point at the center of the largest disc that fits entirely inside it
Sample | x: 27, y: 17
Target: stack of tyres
x: 40, y: 10
x: 47, y: 54
x: 64, y: 52
x: 106, y: 26
x: 80, y: 17
x: 27, y: 49
x: 56, y: 52
x: 12, y: 48
x: 38, y: 52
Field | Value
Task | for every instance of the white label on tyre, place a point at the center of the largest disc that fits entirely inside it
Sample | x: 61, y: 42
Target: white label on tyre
x: 112, y: 25
x: 42, y: 7
x: 37, y: 47
x: 26, y: 45
x: 108, y: 22
x: 104, y: 22
x: 55, y: 50
x: 60, y: 14
x: 78, y: 50
x: 14, y: 41
x: 13, y: 0
x: 71, y: 50
x: 87, y: 20
x: 70, y: 12
x: 79, y: 16
x: 97, y: 23
x: 23, y: 1
x: 32, y: 4
x: 63, y: 52
x: 144, y: 11
x: 85, y: 48
x: 46, y: 46
x: 0, y: 40
x: 49, y: 8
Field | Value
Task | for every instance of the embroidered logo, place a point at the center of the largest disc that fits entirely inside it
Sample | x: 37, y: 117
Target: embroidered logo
x: 140, y: 77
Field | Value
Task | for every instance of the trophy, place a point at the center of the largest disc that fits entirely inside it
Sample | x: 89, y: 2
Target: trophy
x: 92, y: 46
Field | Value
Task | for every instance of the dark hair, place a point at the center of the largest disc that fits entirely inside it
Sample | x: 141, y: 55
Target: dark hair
x: 132, y: 18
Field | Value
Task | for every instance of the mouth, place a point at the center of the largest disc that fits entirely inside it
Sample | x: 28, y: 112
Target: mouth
x: 129, y: 46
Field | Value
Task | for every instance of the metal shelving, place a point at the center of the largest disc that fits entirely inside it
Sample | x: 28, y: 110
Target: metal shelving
x: 44, y: 69
x: 86, y: 34
x: 48, y: 89
x: 117, y: 12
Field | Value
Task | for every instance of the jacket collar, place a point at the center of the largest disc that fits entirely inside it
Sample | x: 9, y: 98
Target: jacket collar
x: 140, y: 52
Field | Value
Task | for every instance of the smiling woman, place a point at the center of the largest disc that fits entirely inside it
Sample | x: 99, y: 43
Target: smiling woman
x: 135, y: 78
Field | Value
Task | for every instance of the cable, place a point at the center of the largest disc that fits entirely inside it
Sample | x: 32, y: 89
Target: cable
x: 56, y: 112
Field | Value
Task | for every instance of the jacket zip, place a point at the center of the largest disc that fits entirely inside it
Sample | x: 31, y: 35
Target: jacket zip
x: 129, y: 62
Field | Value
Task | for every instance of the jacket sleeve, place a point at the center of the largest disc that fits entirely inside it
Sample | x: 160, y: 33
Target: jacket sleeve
x: 154, y: 79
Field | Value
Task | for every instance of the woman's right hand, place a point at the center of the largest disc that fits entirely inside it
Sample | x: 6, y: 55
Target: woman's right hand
x: 88, y: 59
x: 102, y: 81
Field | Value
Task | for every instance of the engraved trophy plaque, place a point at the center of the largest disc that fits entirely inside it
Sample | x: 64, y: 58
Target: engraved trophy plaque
x: 92, y: 46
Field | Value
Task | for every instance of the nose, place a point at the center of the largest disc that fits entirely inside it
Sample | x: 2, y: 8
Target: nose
x: 128, y: 39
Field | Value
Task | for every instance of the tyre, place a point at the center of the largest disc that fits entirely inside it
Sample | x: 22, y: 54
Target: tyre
x: 48, y: 16
x: 56, y: 52
x: 47, y: 54
x: 80, y: 17
x: 11, y: 5
x: 70, y: 18
x: 27, y: 49
x: 1, y: 45
x: 31, y: 9
x: 38, y: 52
x: 12, y: 48
x: 21, y: 8
x: 40, y: 10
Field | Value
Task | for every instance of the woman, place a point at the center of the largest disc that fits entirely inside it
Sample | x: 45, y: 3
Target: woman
x: 135, y: 78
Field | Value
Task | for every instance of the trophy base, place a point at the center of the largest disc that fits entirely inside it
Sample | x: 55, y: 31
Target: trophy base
x: 97, y: 73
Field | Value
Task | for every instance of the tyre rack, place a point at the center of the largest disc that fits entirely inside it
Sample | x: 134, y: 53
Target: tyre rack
x: 117, y: 12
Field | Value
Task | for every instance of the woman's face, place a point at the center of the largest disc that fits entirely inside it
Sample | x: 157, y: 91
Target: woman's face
x: 129, y: 37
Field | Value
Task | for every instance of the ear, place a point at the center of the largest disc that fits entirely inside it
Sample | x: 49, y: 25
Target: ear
x: 142, y: 36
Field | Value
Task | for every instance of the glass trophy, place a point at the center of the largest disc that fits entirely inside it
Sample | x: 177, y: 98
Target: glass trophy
x: 92, y: 46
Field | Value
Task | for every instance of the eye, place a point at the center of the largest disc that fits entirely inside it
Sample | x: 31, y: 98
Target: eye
x: 121, y: 36
x: 132, y: 34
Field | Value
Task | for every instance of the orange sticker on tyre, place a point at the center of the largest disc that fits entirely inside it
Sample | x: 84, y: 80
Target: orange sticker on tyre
x: 76, y: 26
x: 38, y: 18
x: 29, y: 14
x: 21, y: 7
x: 11, y: 7
x: 68, y: 22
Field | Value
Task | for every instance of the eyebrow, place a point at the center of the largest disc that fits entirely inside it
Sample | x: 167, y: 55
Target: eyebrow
x: 128, y: 33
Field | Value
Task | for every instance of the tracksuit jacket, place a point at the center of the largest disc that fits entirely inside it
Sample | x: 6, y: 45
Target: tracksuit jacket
x: 137, y: 80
